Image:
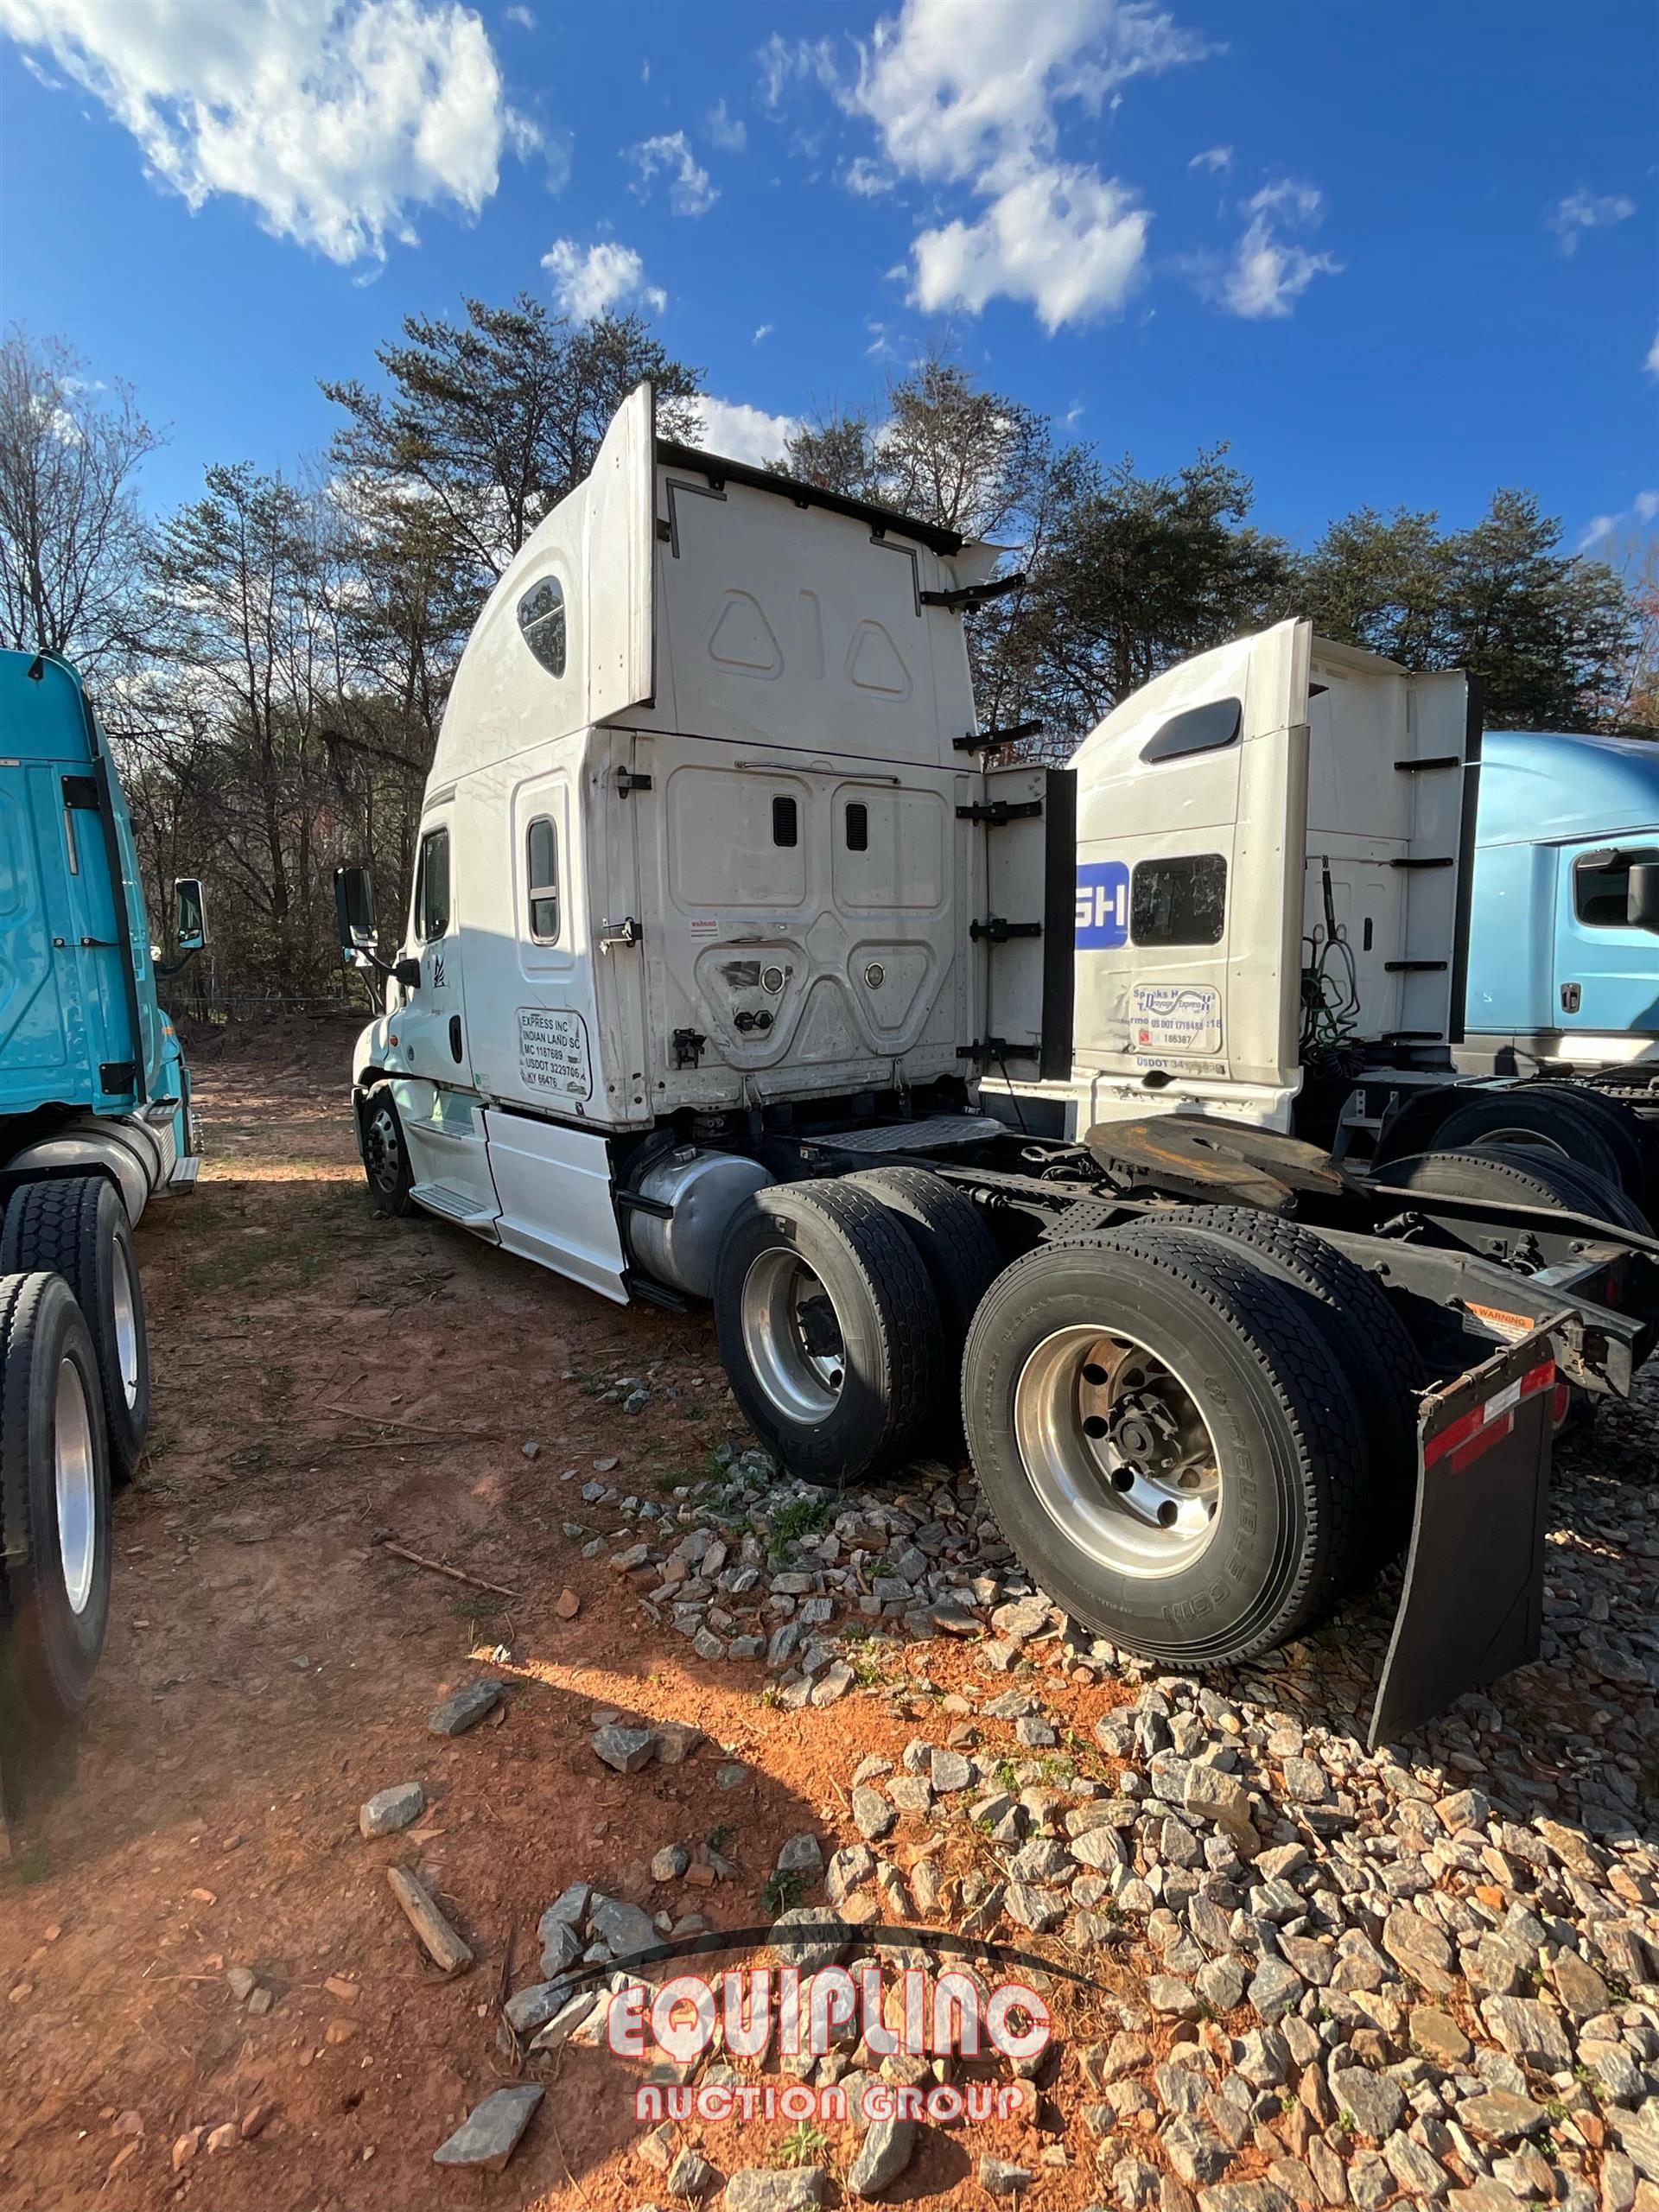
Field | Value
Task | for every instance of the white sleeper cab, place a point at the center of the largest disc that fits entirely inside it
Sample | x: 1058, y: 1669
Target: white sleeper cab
x: 1097, y: 1112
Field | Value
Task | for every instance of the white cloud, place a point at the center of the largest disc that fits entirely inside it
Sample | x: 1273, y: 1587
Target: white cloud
x: 1212, y: 158
x: 1582, y: 210
x: 867, y: 179
x: 1642, y: 510
x: 336, y: 122
x: 730, y: 132
x: 690, y: 192
x: 972, y: 97
x: 765, y: 331
x: 1064, y: 238
x: 739, y: 432
x: 956, y: 89
x: 1266, y: 272
x: 523, y: 17
x: 598, y: 279
x: 1651, y: 364
x: 783, y: 62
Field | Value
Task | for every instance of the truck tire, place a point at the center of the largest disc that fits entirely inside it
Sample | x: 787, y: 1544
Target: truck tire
x: 1375, y: 1346
x: 1525, y: 1175
x: 1592, y: 1132
x: 384, y: 1154
x: 77, y: 1227
x: 829, y: 1329
x: 54, y: 1507
x: 955, y: 1245
x: 1259, y: 1528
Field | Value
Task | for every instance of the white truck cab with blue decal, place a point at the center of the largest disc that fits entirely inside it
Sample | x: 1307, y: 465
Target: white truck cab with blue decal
x: 738, y: 967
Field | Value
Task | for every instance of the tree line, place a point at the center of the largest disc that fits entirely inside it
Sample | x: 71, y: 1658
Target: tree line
x: 272, y: 658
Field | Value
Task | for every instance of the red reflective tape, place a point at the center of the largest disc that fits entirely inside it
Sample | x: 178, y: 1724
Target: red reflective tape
x: 1493, y: 1432
x: 1454, y: 1433
x: 1489, y: 1422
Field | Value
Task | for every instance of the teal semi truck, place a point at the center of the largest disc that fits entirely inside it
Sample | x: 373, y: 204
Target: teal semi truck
x: 95, y: 1122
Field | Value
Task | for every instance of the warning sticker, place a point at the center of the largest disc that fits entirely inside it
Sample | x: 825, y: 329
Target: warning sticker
x: 1182, y: 1018
x: 553, y: 1052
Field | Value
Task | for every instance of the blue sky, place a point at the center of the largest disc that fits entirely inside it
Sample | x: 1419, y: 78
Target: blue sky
x: 1395, y: 254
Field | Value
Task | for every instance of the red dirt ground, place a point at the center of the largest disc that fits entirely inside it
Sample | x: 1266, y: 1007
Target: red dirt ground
x: 270, y: 1666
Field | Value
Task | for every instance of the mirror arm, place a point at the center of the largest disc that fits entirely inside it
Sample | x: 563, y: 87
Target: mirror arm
x: 360, y: 957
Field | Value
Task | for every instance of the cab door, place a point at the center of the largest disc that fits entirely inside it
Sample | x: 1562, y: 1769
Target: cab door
x: 1607, y: 969
x: 436, y: 1101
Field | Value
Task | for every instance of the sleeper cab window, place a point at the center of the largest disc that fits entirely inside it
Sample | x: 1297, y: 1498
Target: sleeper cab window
x: 1206, y: 728
x: 432, y: 887
x: 541, y: 873
x: 541, y: 622
x: 1179, y: 901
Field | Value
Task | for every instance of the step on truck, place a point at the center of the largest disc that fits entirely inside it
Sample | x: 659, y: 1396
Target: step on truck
x: 1097, y: 1114
x: 95, y: 1124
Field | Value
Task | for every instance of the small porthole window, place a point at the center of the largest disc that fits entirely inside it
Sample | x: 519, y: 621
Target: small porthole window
x: 541, y: 619
x: 785, y: 826
x: 542, y: 866
x: 858, y: 826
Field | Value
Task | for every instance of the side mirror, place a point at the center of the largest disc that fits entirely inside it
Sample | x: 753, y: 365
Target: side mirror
x: 355, y: 908
x: 189, y: 915
x: 1642, y: 898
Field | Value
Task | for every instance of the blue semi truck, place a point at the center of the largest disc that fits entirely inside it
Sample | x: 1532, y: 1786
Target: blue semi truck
x: 94, y: 1122
x: 1564, y: 938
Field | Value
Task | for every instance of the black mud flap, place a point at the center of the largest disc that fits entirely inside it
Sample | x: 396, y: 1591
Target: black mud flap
x: 1472, y: 1604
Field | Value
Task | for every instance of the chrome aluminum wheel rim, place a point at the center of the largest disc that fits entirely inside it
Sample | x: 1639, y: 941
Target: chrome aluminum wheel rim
x: 1118, y: 1452
x: 380, y: 1149
x: 76, y: 1487
x: 792, y: 1337
x: 126, y: 1328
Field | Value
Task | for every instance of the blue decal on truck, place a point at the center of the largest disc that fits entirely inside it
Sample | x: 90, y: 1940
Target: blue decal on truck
x: 1102, y: 903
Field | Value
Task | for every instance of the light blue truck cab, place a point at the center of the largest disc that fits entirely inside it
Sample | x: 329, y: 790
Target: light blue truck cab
x: 1564, y: 938
x: 94, y: 1122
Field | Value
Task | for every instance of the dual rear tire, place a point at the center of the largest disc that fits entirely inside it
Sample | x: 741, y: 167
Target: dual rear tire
x: 74, y: 1410
x: 55, y: 1510
x: 1176, y: 1426
x: 840, y: 1308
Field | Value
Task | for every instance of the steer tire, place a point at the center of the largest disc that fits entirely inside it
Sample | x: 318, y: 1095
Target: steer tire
x: 883, y: 1308
x: 1551, y: 1117
x: 55, y: 1520
x: 1258, y: 1355
x: 953, y: 1243
x: 1375, y: 1346
x: 77, y: 1227
x: 385, y: 1153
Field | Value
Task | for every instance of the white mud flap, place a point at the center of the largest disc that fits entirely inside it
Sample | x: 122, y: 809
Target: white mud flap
x: 1472, y: 1604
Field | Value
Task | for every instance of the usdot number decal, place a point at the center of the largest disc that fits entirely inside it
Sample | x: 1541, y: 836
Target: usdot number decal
x: 1103, y: 903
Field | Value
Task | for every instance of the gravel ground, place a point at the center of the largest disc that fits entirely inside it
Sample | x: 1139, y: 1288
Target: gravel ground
x: 1430, y: 1972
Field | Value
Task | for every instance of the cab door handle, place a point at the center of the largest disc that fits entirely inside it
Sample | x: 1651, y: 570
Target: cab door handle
x: 454, y: 1039
x: 1571, y: 996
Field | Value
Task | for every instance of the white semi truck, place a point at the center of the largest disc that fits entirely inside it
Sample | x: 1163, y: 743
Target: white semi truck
x: 1091, y: 1109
